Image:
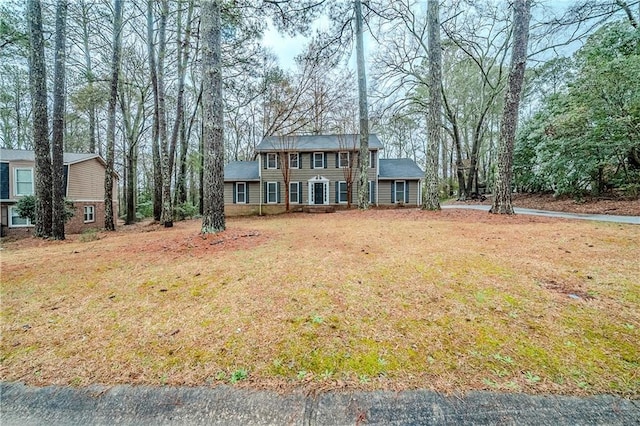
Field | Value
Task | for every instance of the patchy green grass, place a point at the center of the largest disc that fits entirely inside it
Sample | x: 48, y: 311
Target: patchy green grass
x: 451, y: 301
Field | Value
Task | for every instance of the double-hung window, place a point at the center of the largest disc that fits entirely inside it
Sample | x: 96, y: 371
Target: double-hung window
x: 241, y: 192
x: 342, y: 192
x: 24, y: 182
x: 272, y: 192
x: 272, y: 160
x: 318, y: 160
x: 294, y: 160
x: 89, y: 214
x: 294, y: 191
x: 15, y: 220
x: 343, y: 159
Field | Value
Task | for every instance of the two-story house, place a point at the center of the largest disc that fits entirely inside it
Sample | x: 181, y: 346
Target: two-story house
x: 316, y: 170
x: 83, y: 185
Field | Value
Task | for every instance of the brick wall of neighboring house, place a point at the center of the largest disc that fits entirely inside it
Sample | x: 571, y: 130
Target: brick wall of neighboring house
x: 76, y: 225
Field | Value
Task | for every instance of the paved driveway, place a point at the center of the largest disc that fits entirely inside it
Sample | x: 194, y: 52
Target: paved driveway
x: 635, y: 220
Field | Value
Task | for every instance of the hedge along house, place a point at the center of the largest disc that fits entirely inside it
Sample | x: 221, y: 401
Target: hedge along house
x: 317, y: 170
x: 84, y: 186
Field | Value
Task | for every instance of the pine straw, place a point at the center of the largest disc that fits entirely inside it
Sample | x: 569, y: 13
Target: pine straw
x: 450, y: 301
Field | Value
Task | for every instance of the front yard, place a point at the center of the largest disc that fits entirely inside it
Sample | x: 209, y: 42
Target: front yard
x: 450, y: 301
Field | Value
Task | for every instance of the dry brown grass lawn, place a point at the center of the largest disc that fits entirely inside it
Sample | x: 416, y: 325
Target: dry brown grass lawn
x: 450, y: 301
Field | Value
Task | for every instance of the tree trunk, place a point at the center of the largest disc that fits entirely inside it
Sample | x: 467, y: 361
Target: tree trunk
x: 213, y: 219
x: 38, y: 87
x: 155, y: 149
x: 57, y: 167
x: 90, y: 76
x: 430, y: 200
x: 166, y: 216
x: 363, y: 158
x: 109, y: 220
x: 502, y: 189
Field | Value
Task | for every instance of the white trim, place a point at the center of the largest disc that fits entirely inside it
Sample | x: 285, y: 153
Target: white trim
x: 276, y: 192
x: 325, y: 189
x: 275, y: 156
x: 10, y: 219
x: 314, y: 160
x: 297, y: 192
x: 297, y: 154
x: 93, y: 214
x: 244, y: 193
x: 15, y: 181
x: 346, y: 190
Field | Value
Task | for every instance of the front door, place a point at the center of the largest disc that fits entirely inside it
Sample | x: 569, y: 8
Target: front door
x: 318, y: 193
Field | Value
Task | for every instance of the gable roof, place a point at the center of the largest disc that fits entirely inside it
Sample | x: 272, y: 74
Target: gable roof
x: 26, y: 155
x: 399, y: 168
x: 241, y: 171
x: 315, y: 143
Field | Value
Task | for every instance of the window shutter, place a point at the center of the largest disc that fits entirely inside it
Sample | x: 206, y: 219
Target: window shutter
x: 300, y: 160
x: 373, y: 160
x: 264, y: 161
x: 4, y: 181
x: 300, y: 192
x: 372, y: 196
x: 337, y: 159
x: 393, y: 191
x: 337, y: 192
x: 278, y: 193
x: 406, y: 192
x: 65, y: 179
x: 325, y: 160
x: 266, y: 188
x: 277, y: 160
x: 311, y: 158
x: 234, y: 185
x: 246, y: 192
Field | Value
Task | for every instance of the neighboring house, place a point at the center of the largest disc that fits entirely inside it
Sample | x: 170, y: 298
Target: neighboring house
x: 319, y: 168
x: 83, y: 185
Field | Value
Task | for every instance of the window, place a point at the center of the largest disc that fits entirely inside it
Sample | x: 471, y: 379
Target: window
x: 400, y: 187
x: 272, y: 192
x: 294, y: 191
x: 293, y: 160
x: 89, y: 214
x: 24, y: 182
x: 241, y: 192
x: 272, y: 160
x: 15, y: 220
x: 318, y: 160
x: 342, y: 192
x: 343, y: 159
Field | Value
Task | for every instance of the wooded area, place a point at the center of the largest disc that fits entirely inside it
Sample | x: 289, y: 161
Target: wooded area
x: 169, y: 91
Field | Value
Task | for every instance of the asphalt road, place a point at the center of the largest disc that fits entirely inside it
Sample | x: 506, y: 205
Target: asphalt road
x: 223, y: 405
x: 635, y: 220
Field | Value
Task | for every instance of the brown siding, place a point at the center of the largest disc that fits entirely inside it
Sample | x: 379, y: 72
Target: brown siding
x: 86, y: 181
x: 13, y: 165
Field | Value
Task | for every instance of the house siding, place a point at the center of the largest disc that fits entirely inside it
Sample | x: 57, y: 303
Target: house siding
x: 85, y: 186
x: 305, y: 173
x: 384, y: 191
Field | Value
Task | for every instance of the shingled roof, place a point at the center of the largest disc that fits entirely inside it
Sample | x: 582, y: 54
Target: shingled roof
x: 241, y: 171
x: 315, y: 143
x: 26, y: 155
x: 399, y: 168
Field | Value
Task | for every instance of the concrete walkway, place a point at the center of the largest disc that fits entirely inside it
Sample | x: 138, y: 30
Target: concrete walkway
x: 635, y: 220
x: 223, y: 405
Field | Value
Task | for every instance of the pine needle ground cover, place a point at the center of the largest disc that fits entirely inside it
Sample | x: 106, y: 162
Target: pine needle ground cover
x: 450, y: 301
